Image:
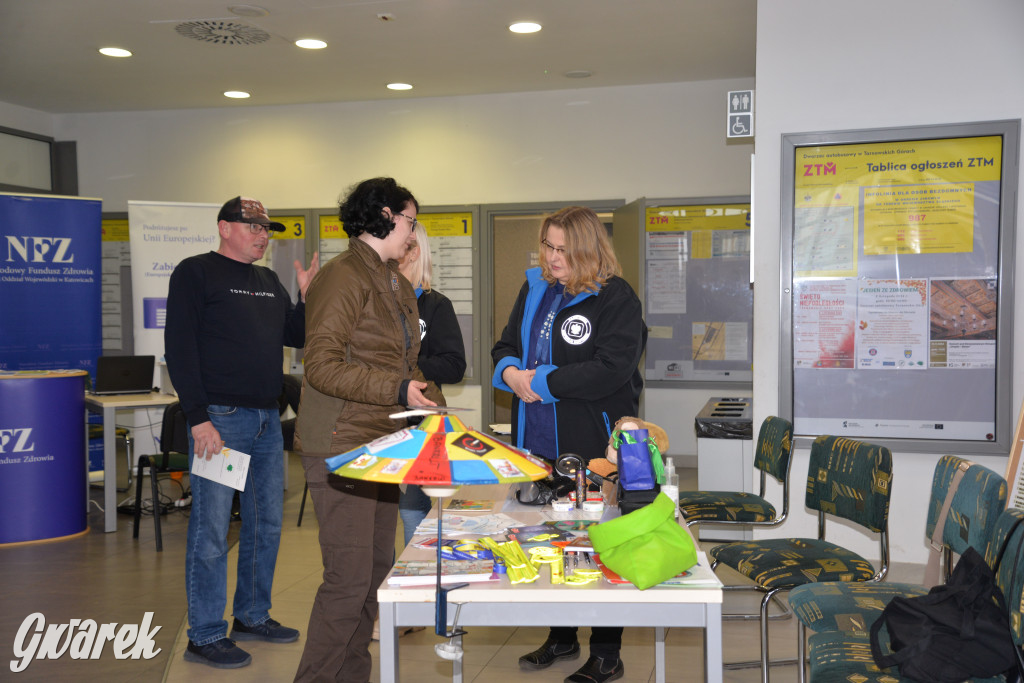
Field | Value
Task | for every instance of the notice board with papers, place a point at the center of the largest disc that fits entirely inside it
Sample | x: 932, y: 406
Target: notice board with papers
x: 897, y: 260
x: 695, y: 285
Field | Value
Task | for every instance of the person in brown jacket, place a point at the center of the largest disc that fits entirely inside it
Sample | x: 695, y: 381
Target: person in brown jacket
x: 362, y: 344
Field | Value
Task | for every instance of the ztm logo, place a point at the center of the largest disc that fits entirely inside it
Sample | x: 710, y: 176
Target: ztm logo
x: 820, y: 169
x: 40, y: 249
x: 17, y: 439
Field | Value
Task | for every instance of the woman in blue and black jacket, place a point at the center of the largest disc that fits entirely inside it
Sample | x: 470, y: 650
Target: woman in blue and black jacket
x: 570, y: 355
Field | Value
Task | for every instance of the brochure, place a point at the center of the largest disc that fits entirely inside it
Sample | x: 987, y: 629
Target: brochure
x: 227, y: 467
x: 424, y: 572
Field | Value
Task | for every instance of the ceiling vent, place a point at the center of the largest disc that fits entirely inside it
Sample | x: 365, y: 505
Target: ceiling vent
x: 222, y: 32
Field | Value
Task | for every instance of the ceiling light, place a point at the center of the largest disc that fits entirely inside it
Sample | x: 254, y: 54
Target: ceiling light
x: 579, y: 73
x: 399, y: 86
x: 115, y: 52
x: 524, y: 27
x: 311, y: 43
x: 236, y: 94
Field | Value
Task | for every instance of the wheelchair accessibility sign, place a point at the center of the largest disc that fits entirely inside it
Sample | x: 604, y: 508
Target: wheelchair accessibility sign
x: 741, y: 114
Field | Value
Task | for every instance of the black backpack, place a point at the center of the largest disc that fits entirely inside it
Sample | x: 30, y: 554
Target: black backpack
x: 959, y: 630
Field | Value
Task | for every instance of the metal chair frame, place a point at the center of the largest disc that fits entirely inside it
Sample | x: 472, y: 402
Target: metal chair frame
x: 173, y: 439
x: 763, y: 524
x: 768, y: 594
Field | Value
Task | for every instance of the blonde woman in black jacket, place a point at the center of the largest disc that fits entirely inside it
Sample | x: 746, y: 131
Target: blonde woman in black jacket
x: 570, y: 354
x: 442, y: 356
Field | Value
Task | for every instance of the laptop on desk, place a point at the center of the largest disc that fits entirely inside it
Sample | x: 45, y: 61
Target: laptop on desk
x: 124, y: 375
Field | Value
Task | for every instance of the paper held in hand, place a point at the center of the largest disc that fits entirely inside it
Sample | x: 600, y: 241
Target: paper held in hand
x: 228, y: 467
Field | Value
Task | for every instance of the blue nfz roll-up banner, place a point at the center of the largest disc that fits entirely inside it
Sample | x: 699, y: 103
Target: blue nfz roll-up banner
x: 50, y: 274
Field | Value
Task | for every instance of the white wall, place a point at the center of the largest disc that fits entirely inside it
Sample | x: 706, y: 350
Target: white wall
x: 30, y: 120
x: 660, y: 141
x: 657, y: 141
x: 825, y: 66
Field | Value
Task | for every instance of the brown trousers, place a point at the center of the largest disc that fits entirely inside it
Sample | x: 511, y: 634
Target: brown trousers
x: 357, y: 542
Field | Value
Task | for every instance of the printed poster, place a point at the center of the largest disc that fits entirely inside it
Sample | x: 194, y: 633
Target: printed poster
x: 963, y: 323
x: 824, y: 315
x: 892, y: 325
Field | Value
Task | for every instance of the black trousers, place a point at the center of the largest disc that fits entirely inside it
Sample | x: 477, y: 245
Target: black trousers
x: 605, y: 641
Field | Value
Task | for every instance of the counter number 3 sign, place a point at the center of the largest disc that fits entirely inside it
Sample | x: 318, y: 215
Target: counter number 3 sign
x: 741, y: 114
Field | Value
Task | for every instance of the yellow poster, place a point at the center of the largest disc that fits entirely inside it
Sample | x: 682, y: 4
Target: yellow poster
x: 330, y: 228
x: 447, y: 224
x: 294, y: 227
x: 436, y: 224
x: 914, y: 197
x: 114, y: 230
x: 714, y: 230
x: 697, y: 217
x: 919, y: 219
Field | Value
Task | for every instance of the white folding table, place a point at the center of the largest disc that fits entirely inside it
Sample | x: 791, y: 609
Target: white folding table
x: 543, y: 604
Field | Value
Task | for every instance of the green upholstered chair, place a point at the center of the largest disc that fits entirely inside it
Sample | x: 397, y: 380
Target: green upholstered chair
x: 845, y: 478
x: 838, y: 606
x: 845, y: 656
x: 772, y: 457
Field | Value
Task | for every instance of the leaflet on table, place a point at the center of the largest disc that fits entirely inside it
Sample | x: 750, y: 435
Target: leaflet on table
x: 470, y: 505
x: 550, y: 533
x: 580, y: 544
x: 456, y: 548
x: 424, y: 572
x: 462, y: 525
x: 228, y: 467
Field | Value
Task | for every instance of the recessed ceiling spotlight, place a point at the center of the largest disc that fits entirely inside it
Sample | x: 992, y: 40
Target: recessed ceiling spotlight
x: 579, y: 73
x: 311, y: 43
x: 248, y: 11
x: 399, y: 86
x: 236, y: 94
x: 115, y: 52
x: 524, y: 27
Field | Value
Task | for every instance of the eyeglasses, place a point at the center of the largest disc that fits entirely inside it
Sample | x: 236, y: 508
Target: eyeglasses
x: 256, y: 228
x: 558, y: 250
x: 412, y: 221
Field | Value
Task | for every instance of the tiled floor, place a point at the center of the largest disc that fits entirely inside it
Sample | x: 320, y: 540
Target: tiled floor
x: 114, y: 578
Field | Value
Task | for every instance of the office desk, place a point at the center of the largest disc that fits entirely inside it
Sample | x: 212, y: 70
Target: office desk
x: 108, y: 407
x: 541, y: 604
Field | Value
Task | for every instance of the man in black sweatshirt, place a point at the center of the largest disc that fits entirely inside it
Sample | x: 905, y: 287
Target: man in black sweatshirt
x: 227, y: 320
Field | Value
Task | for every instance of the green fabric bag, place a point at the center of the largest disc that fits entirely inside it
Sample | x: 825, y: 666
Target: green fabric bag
x: 647, y: 546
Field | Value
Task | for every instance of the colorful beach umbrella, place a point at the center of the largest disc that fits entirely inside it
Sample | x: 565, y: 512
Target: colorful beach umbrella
x: 439, y: 454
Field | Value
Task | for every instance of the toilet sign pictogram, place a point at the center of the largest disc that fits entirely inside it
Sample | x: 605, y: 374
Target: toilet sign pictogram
x: 740, y: 114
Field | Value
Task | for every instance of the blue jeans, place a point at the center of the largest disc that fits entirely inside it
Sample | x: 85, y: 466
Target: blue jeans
x: 258, y: 433
x: 413, y: 506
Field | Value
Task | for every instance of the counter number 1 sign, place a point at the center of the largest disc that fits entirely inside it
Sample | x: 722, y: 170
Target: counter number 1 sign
x: 740, y: 114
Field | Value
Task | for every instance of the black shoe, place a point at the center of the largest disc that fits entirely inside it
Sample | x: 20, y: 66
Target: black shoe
x: 220, y: 654
x: 549, y: 653
x: 598, y: 670
x: 270, y: 631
